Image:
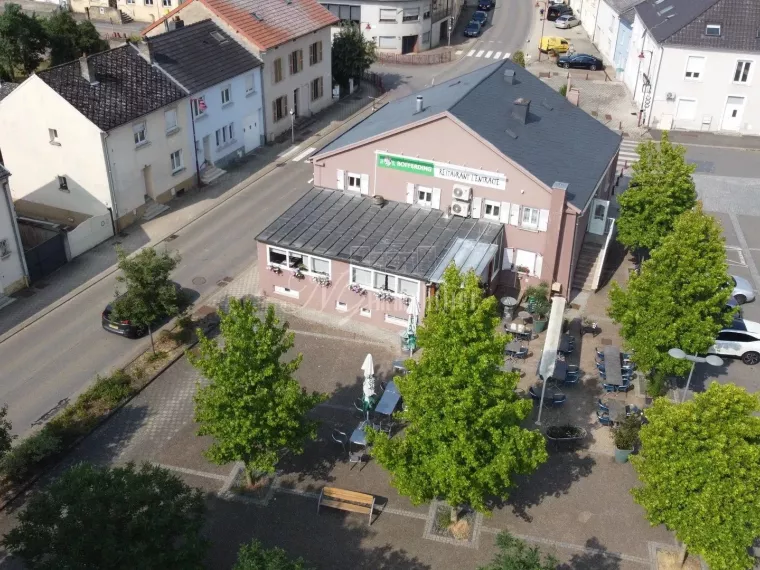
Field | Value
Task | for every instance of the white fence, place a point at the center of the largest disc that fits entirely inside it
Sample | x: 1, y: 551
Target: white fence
x: 88, y: 234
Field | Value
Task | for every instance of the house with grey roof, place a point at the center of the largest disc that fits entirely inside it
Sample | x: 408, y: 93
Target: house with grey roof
x: 223, y: 79
x: 99, y: 141
x: 13, y: 273
x: 691, y: 65
x: 609, y: 24
x: 494, y: 146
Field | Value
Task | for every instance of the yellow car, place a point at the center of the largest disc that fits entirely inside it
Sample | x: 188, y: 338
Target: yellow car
x: 554, y: 43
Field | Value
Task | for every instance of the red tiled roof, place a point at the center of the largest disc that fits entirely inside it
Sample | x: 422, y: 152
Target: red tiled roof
x: 266, y: 23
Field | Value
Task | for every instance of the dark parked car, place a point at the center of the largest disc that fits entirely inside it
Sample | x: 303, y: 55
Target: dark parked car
x: 580, y: 61
x: 480, y: 17
x: 130, y: 330
x: 486, y: 5
x: 473, y: 30
x: 558, y: 10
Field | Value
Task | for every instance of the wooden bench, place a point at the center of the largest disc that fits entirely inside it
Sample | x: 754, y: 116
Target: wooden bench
x: 347, y: 501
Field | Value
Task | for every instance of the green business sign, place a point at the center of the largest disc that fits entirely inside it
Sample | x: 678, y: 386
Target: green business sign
x: 406, y: 164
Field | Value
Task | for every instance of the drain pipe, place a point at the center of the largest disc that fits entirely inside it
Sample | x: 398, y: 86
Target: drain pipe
x: 114, y: 208
x: 16, y: 238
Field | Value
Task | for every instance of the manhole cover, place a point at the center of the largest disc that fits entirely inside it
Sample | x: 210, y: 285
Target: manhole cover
x: 607, y: 342
x: 199, y: 280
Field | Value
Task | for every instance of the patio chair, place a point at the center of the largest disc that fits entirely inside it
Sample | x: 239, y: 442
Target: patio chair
x: 627, y: 385
x: 603, y: 418
x: 383, y: 386
x: 555, y: 401
x: 600, y: 368
x: 357, y: 457
x: 532, y: 394
x: 340, y: 437
x: 599, y: 354
x: 572, y: 377
x: 602, y: 406
x: 609, y: 387
x: 522, y: 353
x: 359, y: 410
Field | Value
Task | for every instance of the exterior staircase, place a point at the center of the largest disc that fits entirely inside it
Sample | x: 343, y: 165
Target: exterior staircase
x: 211, y: 173
x: 154, y: 209
x: 126, y: 18
x: 591, y: 254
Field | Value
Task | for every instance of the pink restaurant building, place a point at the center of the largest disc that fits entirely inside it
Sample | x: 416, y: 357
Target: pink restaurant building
x: 492, y: 170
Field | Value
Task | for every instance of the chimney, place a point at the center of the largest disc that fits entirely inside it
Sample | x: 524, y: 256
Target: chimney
x: 144, y: 48
x: 520, y: 109
x: 420, y: 106
x: 86, y: 69
x: 178, y: 23
x: 509, y: 76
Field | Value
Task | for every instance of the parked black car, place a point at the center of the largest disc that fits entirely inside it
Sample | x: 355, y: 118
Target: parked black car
x: 473, y: 30
x: 558, y: 10
x: 580, y: 61
x: 480, y: 17
x: 486, y: 5
x: 130, y: 330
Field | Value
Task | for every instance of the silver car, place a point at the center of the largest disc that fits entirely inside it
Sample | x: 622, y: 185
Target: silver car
x: 566, y: 21
x: 743, y: 291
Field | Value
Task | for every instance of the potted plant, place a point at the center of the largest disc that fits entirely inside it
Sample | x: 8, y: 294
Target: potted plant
x: 626, y: 435
x: 538, y: 301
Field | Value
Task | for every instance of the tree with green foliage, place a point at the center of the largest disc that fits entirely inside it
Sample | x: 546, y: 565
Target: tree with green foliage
x: 352, y: 55
x: 69, y: 39
x: 519, y: 58
x: 254, y: 556
x: 661, y: 189
x: 698, y: 465
x: 122, y: 518
x: 150, y: 295
x: 253, y: 406
x: 515, y: 554
x: 463, y: 442
x: 6, y: 436
x: 23, y: 41
x: 678, y: 300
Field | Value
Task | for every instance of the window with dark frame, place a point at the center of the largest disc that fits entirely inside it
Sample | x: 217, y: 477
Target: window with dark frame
x: 63, y: 184
x: 712, y: 30
x: 280, y: 108
x: 277, y: 70
x: 317, y: 88
x: 296, y: 61
x: 315, y: 53
x: 741, y: 74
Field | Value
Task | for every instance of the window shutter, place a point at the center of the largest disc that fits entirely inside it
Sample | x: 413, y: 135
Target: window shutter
x: 504, y: 213
x: 340, y: 183
x: 410, y: 193
x: 274, y: 111
x: 543, y: 220
x: 300, y: 60
x: 539, y: 265
x: 514, y: 215
x: 476, y: 205
x: 285, y: 109
x: 319, y: 51
x: 507, y: 260
x: 436, y: 198
x: 364, y: 183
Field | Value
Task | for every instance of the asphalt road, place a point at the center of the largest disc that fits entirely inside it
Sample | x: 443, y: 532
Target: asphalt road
x: 57, y: 357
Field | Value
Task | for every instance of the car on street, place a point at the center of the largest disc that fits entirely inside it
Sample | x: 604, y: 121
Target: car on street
x: 486, y: 5
x: 558, y: 10
x: 580, y: 61
x: 473, y: 30
x: 128, y: 329
x: 743, y: 291
x: 740, y: 340
x: 566, y: 21
x: 480, y: 17
x: 553, y: 43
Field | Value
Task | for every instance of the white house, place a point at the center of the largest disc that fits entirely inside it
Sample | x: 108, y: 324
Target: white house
x: 224, y: 83
x: 104, y: 135
x: 292, y: 39
x: 608, y: 23
x: 692, y: 65
x: 13, y: 274
x: 400, y: 26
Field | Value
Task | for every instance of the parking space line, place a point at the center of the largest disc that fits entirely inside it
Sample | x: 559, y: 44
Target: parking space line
x: 745, y: 247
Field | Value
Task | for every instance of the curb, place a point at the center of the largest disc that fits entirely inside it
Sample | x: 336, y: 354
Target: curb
x: 234, y: 191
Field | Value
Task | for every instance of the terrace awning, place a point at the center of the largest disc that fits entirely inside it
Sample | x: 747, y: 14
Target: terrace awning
x: 466, y: 254
x: 553, y: 334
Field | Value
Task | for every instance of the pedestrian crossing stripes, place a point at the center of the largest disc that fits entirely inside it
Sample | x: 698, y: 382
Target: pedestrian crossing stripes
x: 487, y: 54
x: 303, y: 155
x: 628, y: 156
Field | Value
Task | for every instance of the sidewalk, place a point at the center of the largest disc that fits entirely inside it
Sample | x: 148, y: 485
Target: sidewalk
x: 715, y: 140
x: 91, y: 267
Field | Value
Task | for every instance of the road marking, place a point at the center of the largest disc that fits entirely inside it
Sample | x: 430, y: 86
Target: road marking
x: 304, y: 154
x: 288, y: 152
x: 506, y: 55
x: 310, y: 181
x: 458, y: 52
x: 497, y: 55
x: 627, y: 154
x: 488, y: 55
x: 743, y: 243
x: 471, y: 53
x: 480, y: 53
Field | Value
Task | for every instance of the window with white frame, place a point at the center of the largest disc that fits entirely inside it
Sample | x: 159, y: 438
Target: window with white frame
x: 199, y: 106
x: 53, y: 133
x: 364, y: 312
x: 384, y: 282
x: 315, y: 53
x: 5, y: 248
x: 712, y: 30
x: 138, y: 131
x: 393, y: 319
x: 388, y: 15
x: 224, y: 135
x: 380, y: 281
x: 525, y: 261
x: 250, y: 84
x: 149, y: 2
x: 529, y: 217
x: 407, y: 287
x: 354, y: 182
x: 294, y: 260
x: 170, y: 117
x: 411, y: 15
x: 741, y: 74
x: 424, y: 196
x: 130, y: 1
x: 225, y: 95
x: 695, y: 65
x: 492, y: 210
x: 166, y: 3
x: 386, y: 42
x: 176, y: 161
x: 341, y: 306
x: 361, y: 276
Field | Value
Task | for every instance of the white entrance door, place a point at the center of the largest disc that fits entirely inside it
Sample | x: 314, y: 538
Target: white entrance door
x: 598, y: 220
x: 732, y: 116
x: 251, y: 134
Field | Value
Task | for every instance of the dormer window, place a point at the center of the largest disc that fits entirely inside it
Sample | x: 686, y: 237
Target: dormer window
x: 712, y: 30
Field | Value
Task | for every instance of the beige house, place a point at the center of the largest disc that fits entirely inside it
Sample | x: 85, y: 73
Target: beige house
x: 118, y: 11
x: 105, y: 135
x: 13, y: 273
x: 292, y: 39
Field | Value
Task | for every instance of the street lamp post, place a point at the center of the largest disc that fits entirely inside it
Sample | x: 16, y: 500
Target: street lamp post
x: 292, y: 127
x: 543, y: 22
x: 711, y: 359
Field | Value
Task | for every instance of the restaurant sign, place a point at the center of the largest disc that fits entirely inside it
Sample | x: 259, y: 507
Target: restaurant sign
x: 442, y: 170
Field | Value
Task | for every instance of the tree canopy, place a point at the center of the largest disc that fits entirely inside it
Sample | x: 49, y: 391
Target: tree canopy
x: 254, y: 556
x: 23, y: 41
x: 514, y: 554
x: 463, y: 441
x: 352, y: 55
x: 699, y: 467
x: 679, y: 298
x: 253, y: 406
x: 91, y: 518
x: 660, y: 190
x: 70, y: 39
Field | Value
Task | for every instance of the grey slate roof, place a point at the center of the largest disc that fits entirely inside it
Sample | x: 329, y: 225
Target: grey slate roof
x: 663, y: 22
x: 622, y: 6
x: 739, y: 22
x: 194, y: 56
x: 5, y: 89
x: 4, y: 173
x: 128, y: 87
x: 402, y: 239
x: 559, y: 142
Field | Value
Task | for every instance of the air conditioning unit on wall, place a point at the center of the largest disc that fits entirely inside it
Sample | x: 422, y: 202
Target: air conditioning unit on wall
x: 460, y: 208
x: 670, y: 96
x: 461, y: 192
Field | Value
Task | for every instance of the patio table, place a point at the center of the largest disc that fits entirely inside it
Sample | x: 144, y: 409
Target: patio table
x: 617, y: 409
x: 513, y: 346
x: 560, y: 371
x: 613, y: 366
x: 389, y: 401
x: 564, y: 343
x: 358, y: 436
